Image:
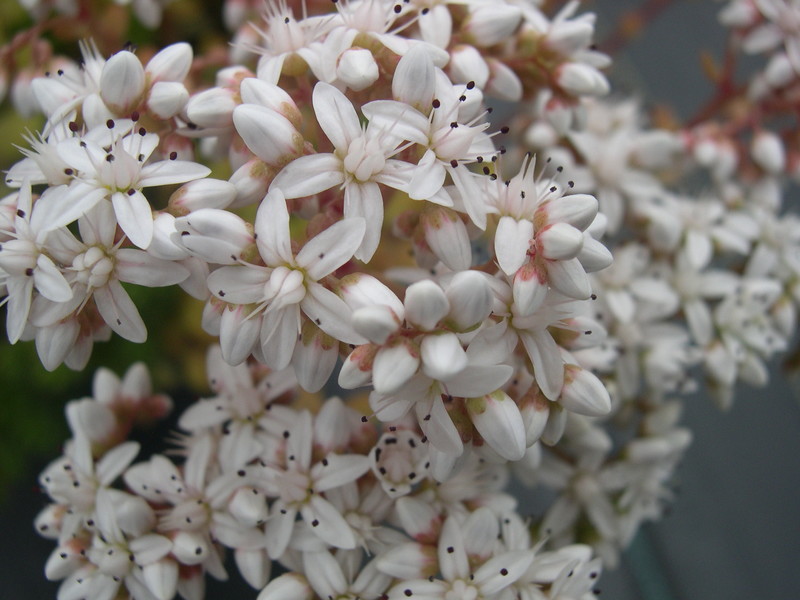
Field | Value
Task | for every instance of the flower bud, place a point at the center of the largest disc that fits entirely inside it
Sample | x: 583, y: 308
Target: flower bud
x: 201, y: 193
x: 212, y: 108
x: 580, y: 79
x: 447, y: 237
x: 122, y: 83
x: 470, y: 298
x: 167, y: 99
x: 376, y: 322
x: 217, y: 236
x: 767, y: 152
x: 170, y: 64
x: 492, y: 24
x: 583, y: 393
x: 268, y: 134
x: 288, y: 585
x: 249, y: 506
x: 357, y: 68
x: 190, y: 547
x: 466, y: 64
x: 503, y: 82
x: 359, y: 290
x: 269, y: 95
x: 394, y: 366
x: 252, y: 181
x: 498, y: 420
x: 442, y: 356
x: 426, y: 304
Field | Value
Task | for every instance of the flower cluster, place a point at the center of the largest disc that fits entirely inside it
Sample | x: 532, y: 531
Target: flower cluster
x: 521, y: 296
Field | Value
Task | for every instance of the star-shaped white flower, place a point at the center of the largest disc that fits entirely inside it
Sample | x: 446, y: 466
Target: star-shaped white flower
x: 288, y: 286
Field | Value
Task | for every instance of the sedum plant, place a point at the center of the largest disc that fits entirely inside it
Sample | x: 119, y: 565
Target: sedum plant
x: 417, y: 299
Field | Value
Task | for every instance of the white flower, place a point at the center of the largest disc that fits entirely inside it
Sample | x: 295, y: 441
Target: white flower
x: 288, y: 286
x: 118, y: 173
x: 299, y: 487
x: 360, y: 162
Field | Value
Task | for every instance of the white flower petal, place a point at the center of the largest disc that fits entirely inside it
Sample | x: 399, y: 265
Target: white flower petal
x: 118, y: 310
x: 336, y: 115
x: 136, y: 266
x: 309, y: 175
x: 272, y: 229
x: 134, y: 216
x: 331, y: 248
x: 330, y: 313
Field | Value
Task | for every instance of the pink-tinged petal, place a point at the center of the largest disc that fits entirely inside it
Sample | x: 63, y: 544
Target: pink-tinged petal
x: 336, y: 115
x: 397, y: 119
x: 559, y: 241
x: 279, y: 329
x: 115, y: 461
x: 309, y: 175
x: 168, y: 172
x: 134, y: 216
x: 331, y: 248
x: 569, y: 278
x: 548, y: 366
x: 339, y: 470
x: 59, y: 207
x: 427, y: 177
x: 119, y: 311
x: 330, y: 313
x: 272, y: 228
x: 453, y: 561
x: 365, y: 201
x: 477, y: 380
x: 498, y: 420
x: 408, y: 561
x: 324, y: 574
x: 328, y: 523
x: 136, y: 266
x: 239, y: 284
x: 529, y: 289
x: 447, y: 236
x: 438, y: 426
